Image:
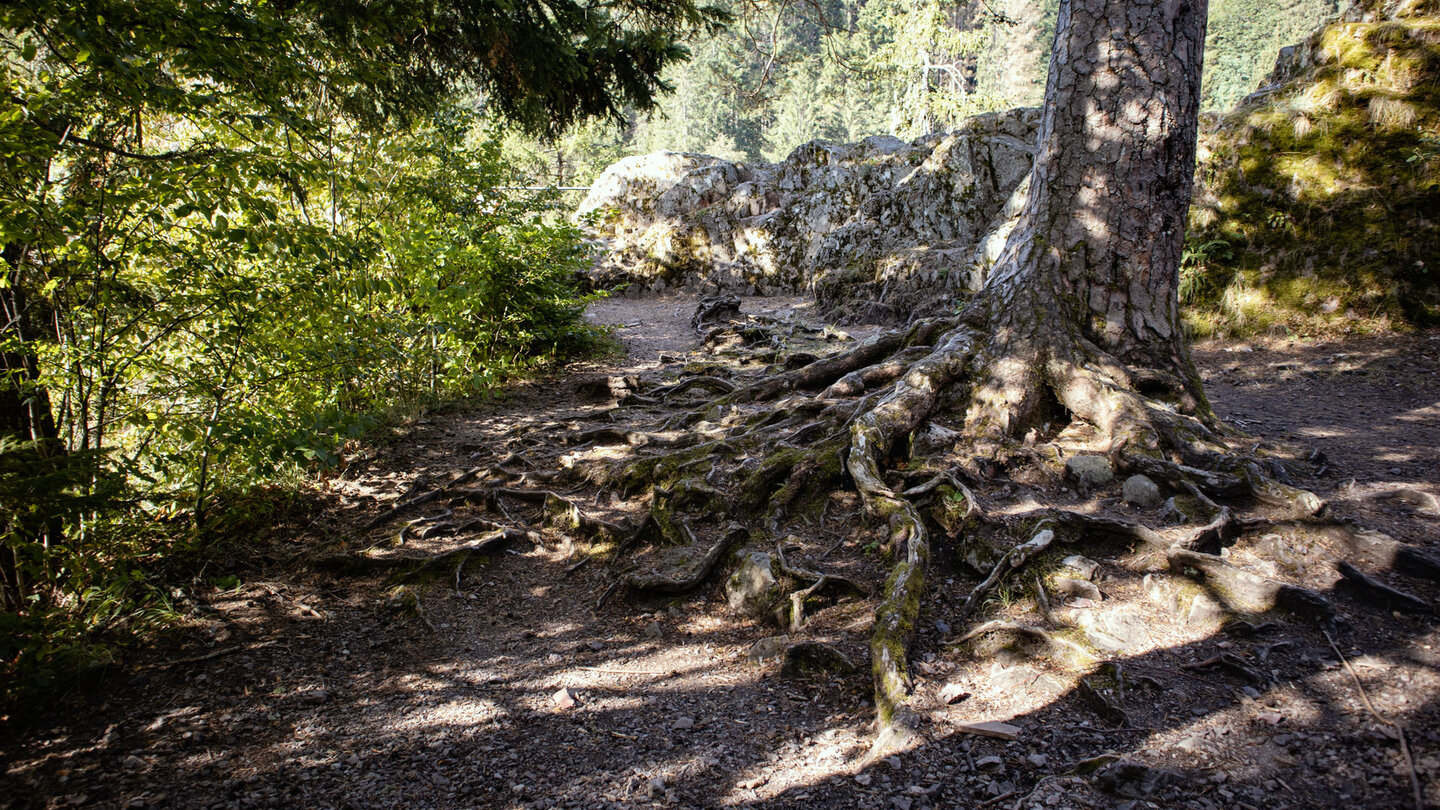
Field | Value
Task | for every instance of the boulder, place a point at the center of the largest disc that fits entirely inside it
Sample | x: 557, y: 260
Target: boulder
x: 754, y: 589
x: 881, y: 227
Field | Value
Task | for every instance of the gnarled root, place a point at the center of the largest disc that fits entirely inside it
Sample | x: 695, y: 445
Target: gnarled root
x: 1246, y: 592
x: 1009, y: 378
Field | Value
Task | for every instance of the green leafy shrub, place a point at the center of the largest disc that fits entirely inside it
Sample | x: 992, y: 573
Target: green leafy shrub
x: 222, y: 264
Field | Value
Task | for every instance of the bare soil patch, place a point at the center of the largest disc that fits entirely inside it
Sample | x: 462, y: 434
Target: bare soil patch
x: 505, y: 686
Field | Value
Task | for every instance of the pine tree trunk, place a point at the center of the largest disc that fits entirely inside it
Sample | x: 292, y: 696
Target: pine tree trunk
x: 1081, y: 312
x: 1090, y: 276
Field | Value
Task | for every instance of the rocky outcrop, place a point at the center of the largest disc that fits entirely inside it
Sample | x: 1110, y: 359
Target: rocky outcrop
x: 1314, y: 210
x: 877, y: 229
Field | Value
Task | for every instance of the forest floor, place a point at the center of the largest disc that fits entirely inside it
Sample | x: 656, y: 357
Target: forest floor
x: 506, y: 687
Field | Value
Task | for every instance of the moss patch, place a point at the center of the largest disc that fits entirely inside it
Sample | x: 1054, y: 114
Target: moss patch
x: 1314, y: 210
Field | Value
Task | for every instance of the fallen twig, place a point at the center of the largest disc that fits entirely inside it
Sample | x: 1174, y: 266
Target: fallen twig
x: 213, y: 654
x: 1399, y: 729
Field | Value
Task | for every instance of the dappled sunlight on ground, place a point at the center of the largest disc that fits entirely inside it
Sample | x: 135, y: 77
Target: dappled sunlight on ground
x: 300, y: 688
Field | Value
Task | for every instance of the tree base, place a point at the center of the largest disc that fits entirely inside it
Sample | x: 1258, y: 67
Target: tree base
x: 946, y: 440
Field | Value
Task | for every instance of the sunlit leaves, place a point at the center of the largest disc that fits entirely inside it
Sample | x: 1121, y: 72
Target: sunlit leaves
x: 223, y: 274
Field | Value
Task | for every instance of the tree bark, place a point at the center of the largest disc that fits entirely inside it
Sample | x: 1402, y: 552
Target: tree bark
x: 1089, y: 278
x: 1082, y: 309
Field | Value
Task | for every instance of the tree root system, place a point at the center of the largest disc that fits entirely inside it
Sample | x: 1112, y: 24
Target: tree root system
x: 947, y: 440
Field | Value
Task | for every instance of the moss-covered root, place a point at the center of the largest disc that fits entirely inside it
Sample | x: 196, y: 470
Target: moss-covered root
x: 895, y: 622
x: 1008, y: 563
x: 872, y: 436
x: 821, y: 373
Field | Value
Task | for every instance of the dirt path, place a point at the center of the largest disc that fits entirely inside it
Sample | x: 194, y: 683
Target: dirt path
x: 332, y: 691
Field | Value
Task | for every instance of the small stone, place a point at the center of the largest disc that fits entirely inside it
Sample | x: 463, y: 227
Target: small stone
x: 989, y: 762
x: 862, y: 779
x: 1038, y: 760
x: 1091, y: 471
x: 952, y: 693
x: 597, y: 646
x: 900, y: 803
x: 1134, y: 780
x: 942, y: 627
x: 1077, y: 588
x: 1084, y: 566
x: 653, y: 630
x: 893, y: 762
x: 565, y: 699
x: 1204, y: 610
x: 133, y: 762
x: 682, y: 723
x: 1140, y: 491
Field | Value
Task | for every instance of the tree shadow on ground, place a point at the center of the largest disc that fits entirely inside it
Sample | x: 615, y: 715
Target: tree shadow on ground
x: 373, y: 709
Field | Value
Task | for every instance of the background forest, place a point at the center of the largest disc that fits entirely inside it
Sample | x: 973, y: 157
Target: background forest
x: 791, y: 71
x: 239, y: 236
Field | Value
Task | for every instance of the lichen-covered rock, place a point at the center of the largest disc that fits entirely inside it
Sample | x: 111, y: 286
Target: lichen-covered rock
x: 811, y: 657
x: 879, y: 227
x: 1140, y: 491
x: 1093, y: 471
x: 753, y: 589
x: 768, y: 649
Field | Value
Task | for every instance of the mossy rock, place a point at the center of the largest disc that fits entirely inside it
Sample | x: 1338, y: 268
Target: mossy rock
x: 1314, y: 207
x: 754, y: 588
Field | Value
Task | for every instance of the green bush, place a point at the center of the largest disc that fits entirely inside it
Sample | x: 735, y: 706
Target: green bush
x: 218, y: 271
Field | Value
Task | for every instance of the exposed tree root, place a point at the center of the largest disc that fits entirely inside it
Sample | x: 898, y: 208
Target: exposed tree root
x: 1010, y: 562
x: 1419, y: 500
x: 412, y: 567
x: 1384, y: 551
x: 1243, y: 591
x: 1386, y: 597
x: 420, y: 500
x: 1033, y: 641
x: 1101, y: 702
x: 922, y: 422
x: 867, y: 403
x: 795, y: 618
x: 661, y: 583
